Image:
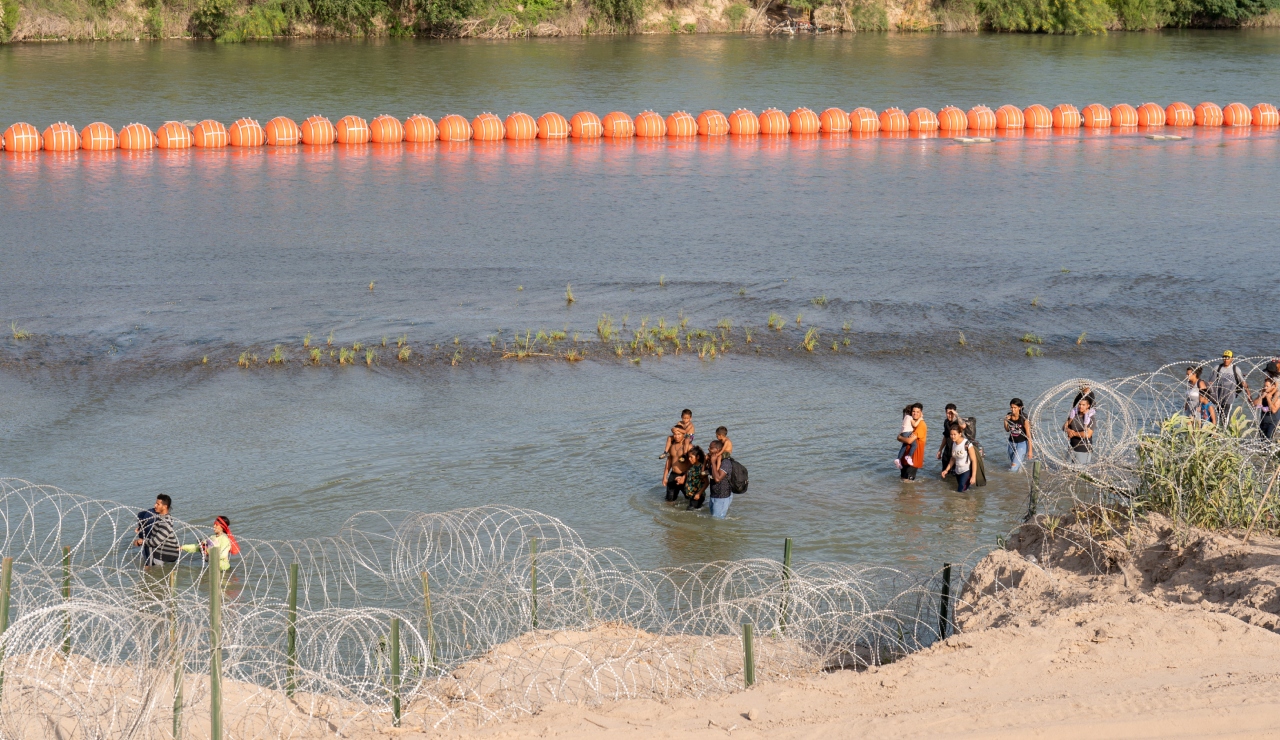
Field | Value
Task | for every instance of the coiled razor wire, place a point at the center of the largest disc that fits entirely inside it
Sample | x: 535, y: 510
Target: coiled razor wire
x: 125, y: 652
x: 1128, y: 470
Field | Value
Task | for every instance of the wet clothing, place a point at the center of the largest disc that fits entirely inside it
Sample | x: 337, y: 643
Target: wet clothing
x: 693, y: 483
x: 916, y: 460
x: 1227, y: 382
x: 720, y: 489
x: 222, y: 542
x: 160, y: 543
x: 1193, y: 398
x: 960, y: 454
x: 674, y: 489
x: 1017, y: 428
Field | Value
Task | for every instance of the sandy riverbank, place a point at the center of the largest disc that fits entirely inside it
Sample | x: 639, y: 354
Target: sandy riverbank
x: 1159, y: 647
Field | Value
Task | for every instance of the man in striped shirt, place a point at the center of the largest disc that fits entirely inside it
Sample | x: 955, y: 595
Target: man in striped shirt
x: 157, y: 539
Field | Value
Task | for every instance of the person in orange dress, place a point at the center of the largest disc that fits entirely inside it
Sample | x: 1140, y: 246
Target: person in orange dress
x: 919, y: 438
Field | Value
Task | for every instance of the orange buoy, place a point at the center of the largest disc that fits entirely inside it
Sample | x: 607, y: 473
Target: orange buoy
x: 318, y: 131
x: 419, y: 128
x: 743, y: 122
x: 98, y: 137
x: 712, y: 123
x: 585, y: 125
x: 61, y: 137
x: 650, y: 124
x: 834, y: 121
x: 209, y: 134
x: 894, y: 120
x: 863, y: 121
x: 804, y: 121
x: 1096, y: 115
x: 22, y: 137
x: 282, y: 131
x: 1065, y: 116
x: 1265, y: 114
x: 552, y: 126
x: 137, y: 136
x: 488, y: 127
x: 952, y: 120
x: 922, y: 119
x: 618, y: 125
x: 1179, y: 114
x: 173, y: 135
x: 1010, y: 117
x: 386, y: 129
x: 1208, y: 114
x: 521, y: 127
x: 1037, y: 116
x: 1123, y: 115
x: 351, y: 130
x: 246, y: 132
x: 454, y: 127
x: 1235, y: 114
x: 774, y: 121
x: 981, y: 118
x: 1150, y: 114
x: 681, y: 123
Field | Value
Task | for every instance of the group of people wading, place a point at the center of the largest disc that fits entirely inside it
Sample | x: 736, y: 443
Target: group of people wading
x: 708, y: 478
x: 960, y: 453
x: 1211, y: 393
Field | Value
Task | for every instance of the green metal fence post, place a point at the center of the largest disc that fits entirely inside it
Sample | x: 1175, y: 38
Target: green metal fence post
x: 6, y: 585
x: 426, y: 605
x: 748, y: 655
x: 533, y: 569
x: 786, y: 586
x: 395, y: 671
x: 176, y: 654
x: 291, y: 633
x: 944, y: 608
x: 66, y: 596
x: 215, y: 644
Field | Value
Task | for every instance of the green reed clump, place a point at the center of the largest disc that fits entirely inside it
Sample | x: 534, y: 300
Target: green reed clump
x: 330, y: 340
x: 315, y: 356
x: 346, y: 356
x: 1206, y: 475
x: 1034, y: 351
x: 810, y: 339
x: 605, y: 328
x: 820, y: 301
x: 277, y: 356
x: 775, y: 322
x: 247, y: 359
x: 568, y: 295
x: 1080, y: 339
x: 403, y: 354
x: 1030, y: 338
x: 357, y: 347
x: 306, y: 340
x: 18, y: 333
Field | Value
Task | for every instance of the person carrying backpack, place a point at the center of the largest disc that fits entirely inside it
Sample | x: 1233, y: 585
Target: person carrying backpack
x: 1228, y: 381
x: 722, y: 481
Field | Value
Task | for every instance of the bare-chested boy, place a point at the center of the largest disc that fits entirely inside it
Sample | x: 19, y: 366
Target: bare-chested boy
x: 686, y: 425
x: 722, y: 434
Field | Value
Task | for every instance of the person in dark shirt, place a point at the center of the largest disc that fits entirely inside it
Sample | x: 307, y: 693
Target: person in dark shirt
x: 157, y: 538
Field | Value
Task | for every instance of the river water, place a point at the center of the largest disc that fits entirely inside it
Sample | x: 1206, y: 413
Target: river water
x: 131, y: 269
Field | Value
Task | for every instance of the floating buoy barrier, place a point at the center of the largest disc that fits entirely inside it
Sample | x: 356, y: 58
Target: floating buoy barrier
x: 681, y: 124
x: 864, y: 121
x: 952, y: 120
x: 1037, y: 121
x: 488, y: 127
x: 1123, y: 115
x: 521, y: 127
x: 61, y: 137
x: 1010, y: 117
x: 834, y: 121
x: 774, y: 122
x: 386, y: 129
x: 98, y: 137
x: 352, y: 130
x: 1179, y: 114
x: 585, y: 125
x: 1235, y: 114
x: 618, y: 125
x: 981, y: 118
x: 419, y: 128
x: 209, y: 134
x: 712, y: 123
x: 1065, y: 116
x: 137, y: 136
x: 552, y: 126
x: 743, y: 122
x: 804, y: 121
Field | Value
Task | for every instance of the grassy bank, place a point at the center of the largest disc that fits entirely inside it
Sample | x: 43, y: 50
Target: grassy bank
x: 240, y: 20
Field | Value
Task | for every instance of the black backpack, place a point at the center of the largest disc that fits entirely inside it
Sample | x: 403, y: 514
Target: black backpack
x: 737, y: 477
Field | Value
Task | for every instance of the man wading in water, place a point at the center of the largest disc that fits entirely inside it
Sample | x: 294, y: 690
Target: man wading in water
x: 918, y: 438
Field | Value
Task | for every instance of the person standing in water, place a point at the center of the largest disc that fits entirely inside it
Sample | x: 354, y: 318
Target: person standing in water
x: 1018, y: 426
x: 721, y: 495
x: 222, y: 539
x: 918, y: 437
x: 963, y: 460
x: 678, y: 446
x: 1268, y: 405
x: 158, y: 541
x: 1228, y: 382
x: 953, y: 420
x: 1079, y: 429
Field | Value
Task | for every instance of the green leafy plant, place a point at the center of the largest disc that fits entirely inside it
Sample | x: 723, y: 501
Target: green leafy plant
x: 820, y: 300
x: 9, y: 14
x: 810, y: 339
x: 18, y: 333
x: 277, y: 356
x: 1030, y: 338
x: 568, y: 295
x: 775, y: 322
x: 1047, y: 16
x: 403, y: 354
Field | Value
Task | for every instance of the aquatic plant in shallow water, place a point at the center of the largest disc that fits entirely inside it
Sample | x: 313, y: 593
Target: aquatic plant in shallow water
x: 810, y: 339
x: 17, y: 332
